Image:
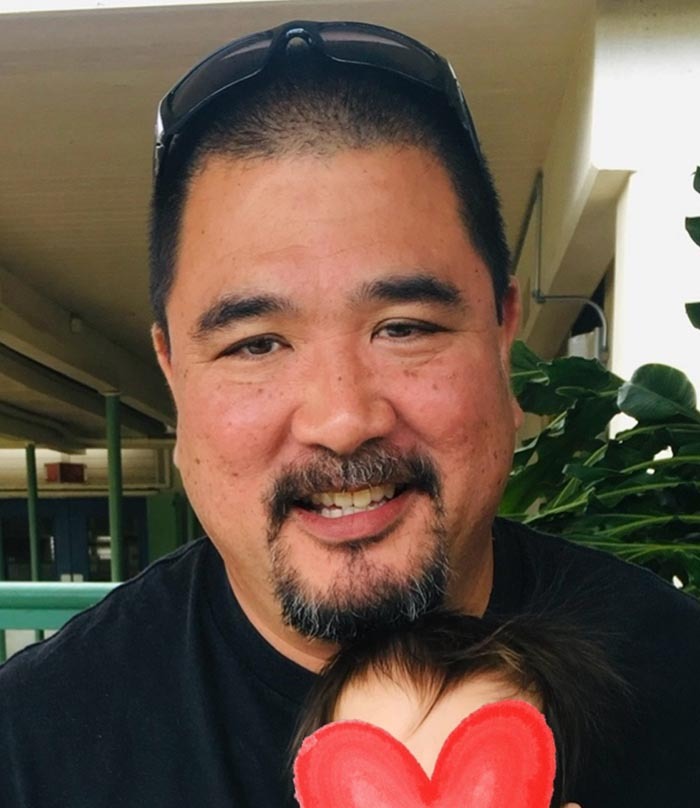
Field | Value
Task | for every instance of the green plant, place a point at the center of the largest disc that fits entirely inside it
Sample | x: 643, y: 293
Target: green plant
x: 636, y: 494
x: 692, y: 225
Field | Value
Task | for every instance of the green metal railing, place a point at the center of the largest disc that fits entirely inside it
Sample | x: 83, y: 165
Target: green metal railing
x: 30, y: 605
x: 48, y: 605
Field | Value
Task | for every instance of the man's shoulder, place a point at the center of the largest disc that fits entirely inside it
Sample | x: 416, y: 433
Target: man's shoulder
x: 648, y: 631
x: 136, y: 617
x: 586, y: 574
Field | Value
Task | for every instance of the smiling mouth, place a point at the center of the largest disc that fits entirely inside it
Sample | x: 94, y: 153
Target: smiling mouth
x: 334, y: 504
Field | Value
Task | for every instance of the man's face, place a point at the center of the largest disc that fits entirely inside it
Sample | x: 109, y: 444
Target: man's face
x: 345, y: 425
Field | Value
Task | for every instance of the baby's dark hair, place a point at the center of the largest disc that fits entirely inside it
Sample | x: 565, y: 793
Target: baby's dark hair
x: 537, y: 654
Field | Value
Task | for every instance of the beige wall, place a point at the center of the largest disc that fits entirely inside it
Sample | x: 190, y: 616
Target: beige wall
x: 143, y: 470
x: 617, y: 186
x: 647, y: 119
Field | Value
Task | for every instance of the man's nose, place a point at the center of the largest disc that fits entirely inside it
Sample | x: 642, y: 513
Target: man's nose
x: 343, y: 406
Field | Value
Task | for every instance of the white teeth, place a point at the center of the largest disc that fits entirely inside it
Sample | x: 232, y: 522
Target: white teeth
x: 361, y: 499
x: 343, y: 499
x: 344, y: 503
x: 377, y: 492
x: 335, y: 513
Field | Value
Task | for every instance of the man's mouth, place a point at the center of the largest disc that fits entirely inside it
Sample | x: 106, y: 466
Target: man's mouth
x: 371, y: 491
x: 334, y: 504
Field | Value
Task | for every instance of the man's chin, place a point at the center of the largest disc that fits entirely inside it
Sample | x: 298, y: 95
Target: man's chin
x: 361, y: 599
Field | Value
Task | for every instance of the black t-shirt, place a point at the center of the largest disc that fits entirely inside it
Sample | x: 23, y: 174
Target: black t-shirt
x: 165, y: 695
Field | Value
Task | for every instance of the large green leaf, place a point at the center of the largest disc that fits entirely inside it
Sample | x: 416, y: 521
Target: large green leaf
x: 696, y: 179
x: 616, y: 493
x: 575, y: 431
x: 568, y: 380
x: 674, y: 433
x: 635, y: 449
x: 548, y: 388
x: 656, y: 393
x: 636, y: 525
x: 525, y: 368
x: 523, y: 358
x: 542, y: 399
x: 633, y: 445
x: 635, y: 522
x: 614, y: 496
x: 692, y: 225
x: 691, y: 462
x: 693, y: 312
x: 589, y: 474
x: 576, y: 374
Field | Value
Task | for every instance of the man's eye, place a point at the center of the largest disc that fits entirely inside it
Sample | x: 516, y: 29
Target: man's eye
x: 407, y: 329
x: 257, y: 346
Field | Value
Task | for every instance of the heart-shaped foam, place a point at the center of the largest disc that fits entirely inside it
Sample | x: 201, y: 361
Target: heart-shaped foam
x: 501, y: 756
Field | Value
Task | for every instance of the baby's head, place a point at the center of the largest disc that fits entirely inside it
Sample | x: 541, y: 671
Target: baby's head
x: 420, y: 681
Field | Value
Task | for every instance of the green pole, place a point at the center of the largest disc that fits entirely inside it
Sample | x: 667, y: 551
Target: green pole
x: 114, y: 462
x: 33, y: 518
x: 32, y: 500
x: 3, y: 644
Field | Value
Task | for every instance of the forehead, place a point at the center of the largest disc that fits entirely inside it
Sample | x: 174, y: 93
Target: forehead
x: 322, y: 220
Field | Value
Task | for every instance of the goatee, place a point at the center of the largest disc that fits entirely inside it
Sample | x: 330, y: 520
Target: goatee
x: 366, y: 596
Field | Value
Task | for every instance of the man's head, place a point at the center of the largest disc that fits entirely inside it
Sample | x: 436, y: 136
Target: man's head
x: 302, y: 103
x: 333, y: 316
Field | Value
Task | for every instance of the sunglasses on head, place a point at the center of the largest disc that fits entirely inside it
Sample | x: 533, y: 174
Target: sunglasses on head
x: 345, y: 42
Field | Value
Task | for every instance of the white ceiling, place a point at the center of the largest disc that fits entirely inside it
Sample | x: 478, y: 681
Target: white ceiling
x: 78, y: 91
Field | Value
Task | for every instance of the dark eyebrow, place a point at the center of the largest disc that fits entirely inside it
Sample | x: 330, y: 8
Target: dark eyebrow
x: 418, y: 288
x: 233, y: 308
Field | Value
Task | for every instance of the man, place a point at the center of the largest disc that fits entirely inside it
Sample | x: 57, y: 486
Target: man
x: 334, y: 318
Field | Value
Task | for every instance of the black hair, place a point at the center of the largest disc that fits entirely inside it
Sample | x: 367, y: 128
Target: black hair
x: 539, y: 654
x: 313, y: 106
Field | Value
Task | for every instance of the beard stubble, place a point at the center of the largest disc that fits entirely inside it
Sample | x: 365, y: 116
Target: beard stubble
x: 363, y: 595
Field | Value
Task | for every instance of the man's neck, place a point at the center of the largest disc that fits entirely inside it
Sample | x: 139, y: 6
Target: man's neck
x: 472, y: 595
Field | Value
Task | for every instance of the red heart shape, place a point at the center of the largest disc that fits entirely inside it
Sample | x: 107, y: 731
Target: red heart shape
x: 501, y: 756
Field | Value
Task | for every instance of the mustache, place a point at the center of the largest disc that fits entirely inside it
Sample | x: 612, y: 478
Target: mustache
x: 371, y: 465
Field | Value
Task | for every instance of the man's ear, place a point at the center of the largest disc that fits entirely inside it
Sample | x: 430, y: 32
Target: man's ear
x: 510, y: 320
x: 161, y: 345
x: 510, y: 323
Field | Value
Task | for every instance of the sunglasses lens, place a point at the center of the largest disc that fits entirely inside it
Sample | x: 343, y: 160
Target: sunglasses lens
x: 222, y: 69
x: 380, y: 51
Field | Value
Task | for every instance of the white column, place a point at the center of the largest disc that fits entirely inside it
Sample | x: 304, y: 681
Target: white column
x: 657, y: 271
